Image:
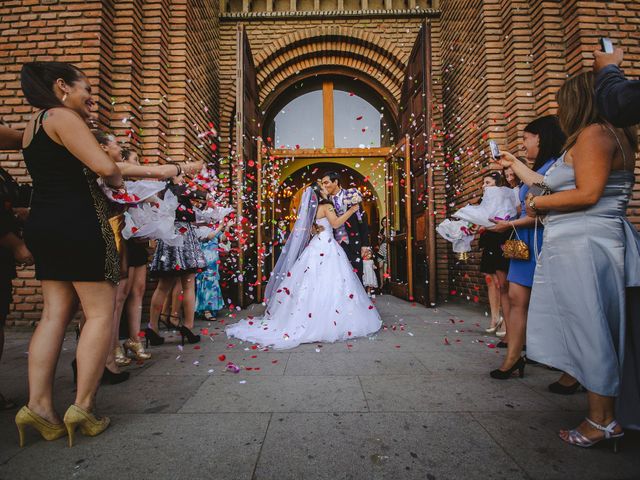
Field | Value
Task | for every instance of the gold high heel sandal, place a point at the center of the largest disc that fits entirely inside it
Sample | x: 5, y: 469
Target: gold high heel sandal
x: 49, y: 431
x: 136, y: 349
x: 121, y: 358
x: 89, y: 424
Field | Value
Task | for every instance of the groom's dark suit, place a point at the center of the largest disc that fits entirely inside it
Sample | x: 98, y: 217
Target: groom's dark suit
x: 357, y: 233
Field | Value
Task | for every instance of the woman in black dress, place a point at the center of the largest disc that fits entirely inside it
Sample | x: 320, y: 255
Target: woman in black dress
x: 72, y: 243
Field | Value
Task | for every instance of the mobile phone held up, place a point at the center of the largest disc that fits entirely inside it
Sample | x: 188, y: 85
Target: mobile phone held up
x: 606, y: 45
x: 495, y: 151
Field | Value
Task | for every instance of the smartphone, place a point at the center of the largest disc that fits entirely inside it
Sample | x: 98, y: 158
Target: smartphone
x: 606, y: 45
x: 495, y: 151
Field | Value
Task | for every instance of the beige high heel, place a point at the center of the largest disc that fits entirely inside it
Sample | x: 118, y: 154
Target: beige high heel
x: 89, y: 424
x: 121, y: 359
x: 136, y: 349
x: 49, y: 431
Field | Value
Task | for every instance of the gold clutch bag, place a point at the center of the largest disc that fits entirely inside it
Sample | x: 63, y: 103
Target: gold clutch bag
x: 515, y: 249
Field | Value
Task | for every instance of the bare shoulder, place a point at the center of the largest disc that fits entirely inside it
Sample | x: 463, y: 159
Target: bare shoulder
x: 61, y: 116
x: 597, y: 133
x: 322, y: 211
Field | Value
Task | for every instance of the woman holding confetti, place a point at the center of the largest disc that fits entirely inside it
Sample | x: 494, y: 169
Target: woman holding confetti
x: 72, y: 244
x: 589, y: 266
x: 181, y: 262
x: 542, y: 142
x: 136, y: 259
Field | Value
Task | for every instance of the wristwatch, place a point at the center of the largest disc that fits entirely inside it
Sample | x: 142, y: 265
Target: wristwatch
x: 532, y: 204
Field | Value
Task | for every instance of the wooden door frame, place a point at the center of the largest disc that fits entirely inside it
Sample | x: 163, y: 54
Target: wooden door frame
x: 393, y: 155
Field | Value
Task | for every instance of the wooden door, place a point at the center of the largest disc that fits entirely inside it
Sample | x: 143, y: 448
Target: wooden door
x: 415, y: 122
x: 399, y: 225
x: 248, y: 123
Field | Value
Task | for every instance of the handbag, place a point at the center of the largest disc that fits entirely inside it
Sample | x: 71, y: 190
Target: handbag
x: 515, y: 249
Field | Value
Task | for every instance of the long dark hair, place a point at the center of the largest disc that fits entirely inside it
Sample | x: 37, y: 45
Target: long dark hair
x: 37, y: 80
x: 103, y: 137
x: 317, y: 189
x: 551, y: 139
x: 497, y: 177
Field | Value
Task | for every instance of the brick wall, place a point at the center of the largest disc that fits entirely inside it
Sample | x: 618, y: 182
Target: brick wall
x: 503, y: 62
x: 164, y: 69
x: 152, y: 64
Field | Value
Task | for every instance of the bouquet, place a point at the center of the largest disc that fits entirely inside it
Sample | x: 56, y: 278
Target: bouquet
x: 352, y: 197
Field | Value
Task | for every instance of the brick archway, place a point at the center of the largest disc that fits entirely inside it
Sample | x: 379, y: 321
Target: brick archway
x: 376, y: 61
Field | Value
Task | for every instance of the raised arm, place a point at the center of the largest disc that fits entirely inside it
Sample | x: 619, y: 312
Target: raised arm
x: 336, y: 221
x: 70, y: 129
x: 593, y: 156
x: 10, y: 139
x: 523, y: 172
x: 161, y: 172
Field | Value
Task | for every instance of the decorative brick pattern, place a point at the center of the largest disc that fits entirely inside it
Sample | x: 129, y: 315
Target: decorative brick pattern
x: 153, y: 67
x: 164, y: 69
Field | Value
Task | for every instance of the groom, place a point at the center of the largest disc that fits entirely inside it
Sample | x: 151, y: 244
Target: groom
x: 353, y: 236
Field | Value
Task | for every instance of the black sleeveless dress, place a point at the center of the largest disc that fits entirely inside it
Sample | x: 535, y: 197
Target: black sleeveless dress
x: 68, y: 231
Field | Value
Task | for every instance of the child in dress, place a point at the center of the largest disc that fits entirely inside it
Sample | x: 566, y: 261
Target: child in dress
x: 369, y: 279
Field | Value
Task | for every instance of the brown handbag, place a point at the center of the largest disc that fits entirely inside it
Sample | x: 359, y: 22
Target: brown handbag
x: 515, y: 249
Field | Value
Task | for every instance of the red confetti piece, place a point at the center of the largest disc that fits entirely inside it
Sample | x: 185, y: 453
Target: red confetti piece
x: 222, y: 358
x: 197, y: 347
x: 446, y: 341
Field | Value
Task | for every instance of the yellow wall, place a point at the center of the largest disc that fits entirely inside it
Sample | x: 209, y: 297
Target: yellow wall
x: 372, y: 167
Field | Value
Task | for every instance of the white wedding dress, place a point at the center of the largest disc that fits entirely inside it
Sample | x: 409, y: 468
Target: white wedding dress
x: 321, y: 299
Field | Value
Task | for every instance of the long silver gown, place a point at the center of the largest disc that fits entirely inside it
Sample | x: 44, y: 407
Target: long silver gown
x: 584, y: 314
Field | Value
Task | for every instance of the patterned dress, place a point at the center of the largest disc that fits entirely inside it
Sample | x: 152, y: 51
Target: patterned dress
x: 208, y: 292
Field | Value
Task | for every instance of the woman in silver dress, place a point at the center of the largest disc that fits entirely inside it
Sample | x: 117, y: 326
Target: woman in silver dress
x: 584, y: 311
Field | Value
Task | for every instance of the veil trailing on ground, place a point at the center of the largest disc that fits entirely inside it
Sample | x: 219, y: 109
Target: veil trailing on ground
x: 297, y: 241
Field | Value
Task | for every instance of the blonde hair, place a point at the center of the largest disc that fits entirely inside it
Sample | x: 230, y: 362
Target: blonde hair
x: 577, y: 109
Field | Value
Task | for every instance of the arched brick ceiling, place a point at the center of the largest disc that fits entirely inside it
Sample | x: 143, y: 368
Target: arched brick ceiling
x: 330, y: 46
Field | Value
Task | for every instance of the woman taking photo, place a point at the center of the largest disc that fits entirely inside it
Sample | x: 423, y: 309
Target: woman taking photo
x: 589, y: 267
x: 72, y: 244
x: 542, y: 142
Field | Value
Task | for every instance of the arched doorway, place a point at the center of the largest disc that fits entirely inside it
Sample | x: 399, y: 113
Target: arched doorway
x: 309, y: 111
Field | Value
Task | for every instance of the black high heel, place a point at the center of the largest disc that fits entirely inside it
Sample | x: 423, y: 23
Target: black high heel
x: 151, y: 337
x: 74, y: 367
x: 191, y: 337
x: 166, y: 321
x: 557, y: 387
x: 504, y: 375
x: 108, y: 377
x: 111, y: 378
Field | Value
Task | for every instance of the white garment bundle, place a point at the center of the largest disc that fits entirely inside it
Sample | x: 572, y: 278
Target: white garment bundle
x: 154, y: 220
x: 498, y: 203
x: 457, y: 232
x: 137, y: 191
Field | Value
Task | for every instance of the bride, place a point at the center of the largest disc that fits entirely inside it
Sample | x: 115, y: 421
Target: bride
x: 313, y: 294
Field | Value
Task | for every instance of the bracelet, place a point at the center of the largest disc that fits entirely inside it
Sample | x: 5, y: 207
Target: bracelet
x: 178, y: 169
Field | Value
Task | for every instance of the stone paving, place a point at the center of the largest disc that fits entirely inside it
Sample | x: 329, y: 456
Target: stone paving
x: 413, y: 402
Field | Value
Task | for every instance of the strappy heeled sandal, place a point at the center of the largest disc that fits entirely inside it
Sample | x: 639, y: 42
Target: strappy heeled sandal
x: 574, y: 437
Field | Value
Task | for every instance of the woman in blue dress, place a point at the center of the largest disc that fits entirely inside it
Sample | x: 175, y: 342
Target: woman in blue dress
x: 542, y: 142
x: 208, y: 293
x: 585, y: 301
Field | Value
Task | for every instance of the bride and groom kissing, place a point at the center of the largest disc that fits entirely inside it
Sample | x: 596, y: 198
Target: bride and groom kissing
x: 315, y: 292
